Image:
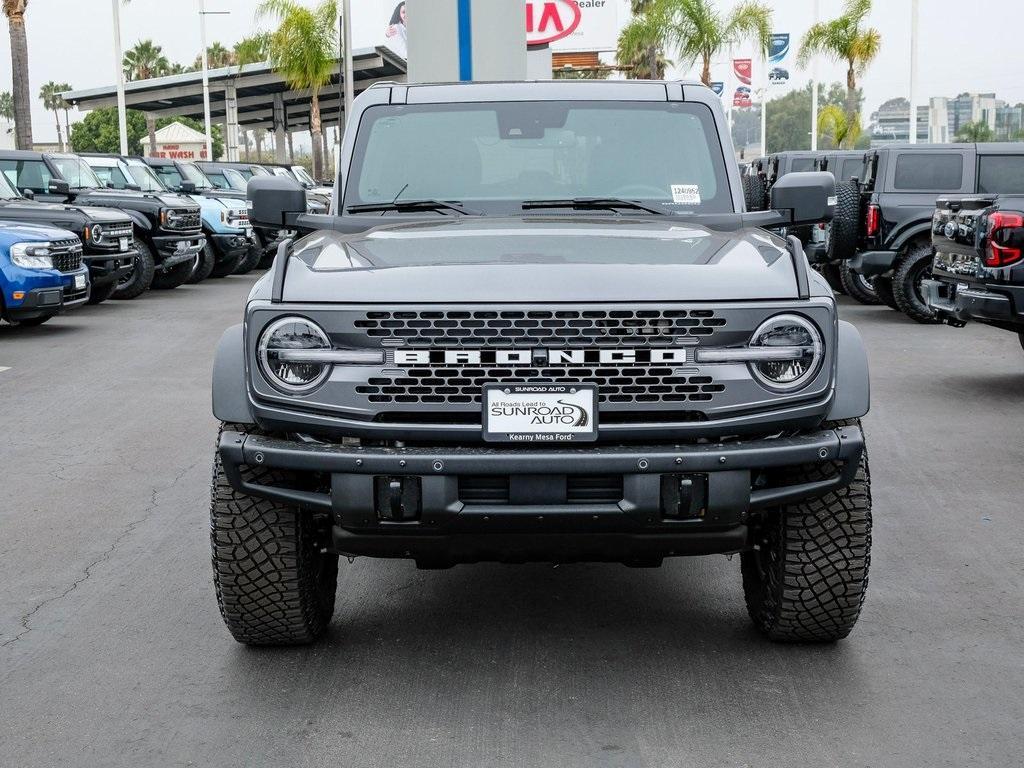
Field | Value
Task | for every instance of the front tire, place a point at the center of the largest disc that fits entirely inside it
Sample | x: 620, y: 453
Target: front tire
x: 275, y: 585
x: 913, y: 267
x: 856, y: 286
x: 204, y: 265
x: 249, y: 261
x: 175, y: 276
x: 807, y: 578
x: 227, y: 266
x: 139, y: 280
x: 102, y: 292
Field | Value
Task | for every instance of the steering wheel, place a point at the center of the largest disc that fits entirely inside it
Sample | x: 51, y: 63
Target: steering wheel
x: 639, y: 190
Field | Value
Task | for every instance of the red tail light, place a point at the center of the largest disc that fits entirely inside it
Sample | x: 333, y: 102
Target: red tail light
x: 873, y: 220
x: 1005, y: 238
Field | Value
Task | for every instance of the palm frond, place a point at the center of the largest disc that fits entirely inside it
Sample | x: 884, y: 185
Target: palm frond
x: 750, y: 21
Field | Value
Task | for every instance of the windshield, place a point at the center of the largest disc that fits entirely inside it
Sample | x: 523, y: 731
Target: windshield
x: 303, y: 176
x: 145, y: 177
x: 494, y: 157
x: 76, y: 172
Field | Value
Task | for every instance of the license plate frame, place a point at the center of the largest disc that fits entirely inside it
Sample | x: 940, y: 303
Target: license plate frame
x: 540, y: 413
x: 79, y: 282
x: 123, y: 244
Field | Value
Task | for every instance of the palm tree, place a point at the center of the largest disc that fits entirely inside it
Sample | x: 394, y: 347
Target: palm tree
x: 975, y: 132
x: 14, y: 10
x: 304, y: 50
x: 217, y: 57
x: 51, y: 96
x: 7, y: 108
x: 835, y: 127
x: 845, y: 39
x: 143, y: 62
x: 699, y: 31
x: 642, y: 42
x: 252, y: 50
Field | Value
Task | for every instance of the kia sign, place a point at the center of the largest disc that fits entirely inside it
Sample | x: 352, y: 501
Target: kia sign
x: 573, y: 25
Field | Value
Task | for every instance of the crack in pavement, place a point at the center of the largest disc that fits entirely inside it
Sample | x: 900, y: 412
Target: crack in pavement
x: 87, y: 571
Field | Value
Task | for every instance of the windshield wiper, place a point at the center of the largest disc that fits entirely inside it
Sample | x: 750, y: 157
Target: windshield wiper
x: 413, y: 205
x: 594, y: 203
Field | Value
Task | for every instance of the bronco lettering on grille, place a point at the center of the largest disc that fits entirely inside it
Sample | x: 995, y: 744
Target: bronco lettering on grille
x: 623, y: 355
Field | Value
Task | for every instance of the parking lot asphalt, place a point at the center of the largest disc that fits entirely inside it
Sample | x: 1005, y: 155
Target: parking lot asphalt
x: 113, y: 653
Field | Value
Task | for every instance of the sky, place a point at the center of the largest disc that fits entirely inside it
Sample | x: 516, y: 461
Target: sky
x: 70, y: 41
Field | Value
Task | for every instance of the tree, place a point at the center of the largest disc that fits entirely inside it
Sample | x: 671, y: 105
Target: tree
x: 217, y: 57
x: 304, y: 51
x: 14, y: 10
x: 845, y: 39
x: 252, y: 50
x: 52, y: 98
x: 698, y: 31
x: 789, y: 116
x: 7, y: 108
x: 99, y: 132
x: 642, y: 42
x: 975, y: 132
x: 837, y: 131
x: 143, y: 62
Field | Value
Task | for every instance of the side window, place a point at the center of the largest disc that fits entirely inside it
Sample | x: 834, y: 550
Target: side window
x: 852, y: 166
x: 1002, y: 174
x: 27, y: 174
x: 801, y: 164
x: 218, y: 179
x: 169, y: 176
x: 929, y: 172
x: 111, y: 176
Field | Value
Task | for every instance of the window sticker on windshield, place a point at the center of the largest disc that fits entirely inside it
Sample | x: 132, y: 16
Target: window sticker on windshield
x: 686, y: 194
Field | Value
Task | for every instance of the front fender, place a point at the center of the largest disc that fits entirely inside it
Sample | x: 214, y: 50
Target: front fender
x: 230, y: 388
x: 853, y: 383
x: 140, y: 220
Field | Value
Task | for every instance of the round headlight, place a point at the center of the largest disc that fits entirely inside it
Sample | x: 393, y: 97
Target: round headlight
x: 292, y: 333
x: 97, y: 233
x: 798, y: 341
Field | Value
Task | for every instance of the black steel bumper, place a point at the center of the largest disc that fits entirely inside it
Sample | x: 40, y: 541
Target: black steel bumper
x: 109, y: 267
x: 357, y: 487
x: 171, y: 253
x: 961, y: 303
x: 873, y: 263
x: 227, y: 246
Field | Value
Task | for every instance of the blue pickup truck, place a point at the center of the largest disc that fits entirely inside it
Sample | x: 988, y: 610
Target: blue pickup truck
x: 41, y: 273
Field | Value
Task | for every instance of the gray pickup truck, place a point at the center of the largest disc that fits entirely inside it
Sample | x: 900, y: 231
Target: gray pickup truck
x: 539, y: 325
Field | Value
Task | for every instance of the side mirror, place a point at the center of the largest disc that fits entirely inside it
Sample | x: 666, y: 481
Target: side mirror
x: 805, y: 198
x: 133, y: 187
x: 58, y: 187
x: 274, y: 201
x: 187, y: 188
x: 28, y: 194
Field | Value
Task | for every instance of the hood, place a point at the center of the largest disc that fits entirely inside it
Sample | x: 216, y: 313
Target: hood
x: 129, y: 197
x: 94, y: 215
x: 28, y: 233
x: 540, y: 259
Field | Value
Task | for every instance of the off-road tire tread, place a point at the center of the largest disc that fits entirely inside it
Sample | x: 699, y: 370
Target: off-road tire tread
x: 754, y: 193
x: 884, y: 291
x: 141, y: 280
x: 815, y: 556
x: 207, y: 258
x: 176, y: 276
x: 842, y: 243
x: 249, y: 261
x: 100, y: 294
x: 265, y: 558
x: 904, y: 294
x: 226, y: 267
x: 853, y: 288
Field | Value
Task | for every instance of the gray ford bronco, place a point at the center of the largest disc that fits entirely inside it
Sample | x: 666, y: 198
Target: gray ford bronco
x: 539, y: 325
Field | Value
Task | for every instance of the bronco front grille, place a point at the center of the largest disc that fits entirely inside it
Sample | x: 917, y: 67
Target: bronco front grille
x: 183, y: 219
x: 528, y: 328
x: 67, y: 255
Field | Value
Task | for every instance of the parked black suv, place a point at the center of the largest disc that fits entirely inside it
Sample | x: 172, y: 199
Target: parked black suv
x: 978, y: 271
x: 168, y: 228
x: 109, y: 250
x: 883, y: 225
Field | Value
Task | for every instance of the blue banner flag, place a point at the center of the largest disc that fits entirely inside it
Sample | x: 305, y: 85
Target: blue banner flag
x: 779, y: 48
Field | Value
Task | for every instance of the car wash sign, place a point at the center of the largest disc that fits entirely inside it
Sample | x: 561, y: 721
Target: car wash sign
x: 573, y: 25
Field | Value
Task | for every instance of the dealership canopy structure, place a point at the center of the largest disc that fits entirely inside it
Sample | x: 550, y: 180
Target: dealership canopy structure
x: 248, y: 97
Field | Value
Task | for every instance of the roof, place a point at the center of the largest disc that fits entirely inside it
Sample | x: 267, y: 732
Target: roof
x: 256, y: 86
x: 179, y: 133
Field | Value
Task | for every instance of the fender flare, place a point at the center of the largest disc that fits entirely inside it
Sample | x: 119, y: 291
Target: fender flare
x: 912, y: 233
x: 230, y: 388
x: 138, y: 219
x: 853, y: 382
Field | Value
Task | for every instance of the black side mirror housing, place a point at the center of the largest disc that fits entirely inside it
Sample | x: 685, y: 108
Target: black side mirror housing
x: 58, y: 187
x: 187, y: 188
x: 805, y: 198
x: 275, y: 201
x: 28, y: 194
x: 133, y: 187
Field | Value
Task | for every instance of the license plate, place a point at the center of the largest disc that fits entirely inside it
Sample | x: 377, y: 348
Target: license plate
x: 123, y: 242
x: 183, y: 246
x: 248, y: 233
x: 79, y: 282
x: 540, y: 413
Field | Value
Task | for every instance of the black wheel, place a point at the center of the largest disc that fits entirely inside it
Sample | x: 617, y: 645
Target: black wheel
x: 856, y: 286
x: 806, y: 578
x: 845, y: 228
x: 102, y: 292
x: 911, y: 268
x: 754, y: 194
x: 138, y: 281
x: 175, y: 276
x: 274, y: 584
x: 249, y: 261
x: 266, y: 256
x: 831, y: 274
x: 883, y: 290
x: 203, y: 265
x: 227, y: 266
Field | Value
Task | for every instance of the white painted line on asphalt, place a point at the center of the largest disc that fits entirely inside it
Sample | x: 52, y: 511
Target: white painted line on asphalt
x: 2, y: 368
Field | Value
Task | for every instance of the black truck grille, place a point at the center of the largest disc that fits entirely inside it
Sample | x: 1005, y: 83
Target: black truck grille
x: 527, y: 328
x: 67, y: 255
x: 184, y: 219
x: 114, y: 232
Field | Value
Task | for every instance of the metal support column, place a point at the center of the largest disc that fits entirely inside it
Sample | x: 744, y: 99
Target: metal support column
x: 231, y: 141
x: 280, y: 147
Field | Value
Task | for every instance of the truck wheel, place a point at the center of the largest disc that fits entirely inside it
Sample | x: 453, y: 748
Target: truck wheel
x: 175, y: 276
x: 913, y: 267
x: 845, y: 227
x: 226, y: 267
x: 102, y: 292
x: 274, y: 584
x: 203, y: 266
x: 883, y: 290
x: 138, y: 281
x: 856, y: 286
x: 249, y: 261
x: 754, y: 192
x: 806, y: 579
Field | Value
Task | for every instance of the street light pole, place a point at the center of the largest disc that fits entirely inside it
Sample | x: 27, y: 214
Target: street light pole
x: 814, y: 88
x: 122, y: 108
x: 913, y: 71
x: 206, y: 80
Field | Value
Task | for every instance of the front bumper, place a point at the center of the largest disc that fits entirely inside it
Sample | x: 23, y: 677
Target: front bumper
x: 961, y: 303
x: 537, y: 518
x: 51, y: 299
x: 172, y: 252
x: 873, y: 263
x: 109, y: 267
x: 230, y: 245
